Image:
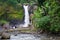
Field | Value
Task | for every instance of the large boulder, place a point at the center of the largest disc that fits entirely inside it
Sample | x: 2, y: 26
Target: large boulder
x: 5, y: 26
x: 5, y: 36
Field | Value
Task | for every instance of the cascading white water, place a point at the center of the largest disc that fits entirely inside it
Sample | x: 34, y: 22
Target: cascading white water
x: 26, y: 20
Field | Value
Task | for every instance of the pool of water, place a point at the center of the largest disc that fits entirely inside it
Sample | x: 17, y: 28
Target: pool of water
x: 32, y: 37
x: 24, y: 37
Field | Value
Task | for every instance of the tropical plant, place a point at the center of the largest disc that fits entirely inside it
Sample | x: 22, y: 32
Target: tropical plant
x: 48, y: 16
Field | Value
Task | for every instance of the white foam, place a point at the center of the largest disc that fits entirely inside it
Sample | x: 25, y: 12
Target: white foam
x: 26, y: 21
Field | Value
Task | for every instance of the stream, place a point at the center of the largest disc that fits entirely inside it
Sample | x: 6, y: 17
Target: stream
x: 32, y: 37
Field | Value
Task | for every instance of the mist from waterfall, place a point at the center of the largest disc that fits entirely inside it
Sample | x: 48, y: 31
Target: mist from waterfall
x: 26, y: 18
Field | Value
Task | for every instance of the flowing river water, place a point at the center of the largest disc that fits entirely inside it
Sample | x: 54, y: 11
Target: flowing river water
x: 25, y: 37
x: 32, y: 37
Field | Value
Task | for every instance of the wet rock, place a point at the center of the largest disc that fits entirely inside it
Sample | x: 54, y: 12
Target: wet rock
x: 6, y: 26
x: 15, y: 34
x: 5, y: 36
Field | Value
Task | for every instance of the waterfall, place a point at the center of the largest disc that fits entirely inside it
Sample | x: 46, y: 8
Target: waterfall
x: 26, y: 19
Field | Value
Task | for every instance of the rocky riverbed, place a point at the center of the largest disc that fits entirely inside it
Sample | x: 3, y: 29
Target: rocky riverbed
x: 28, y: 34
x: 25, y: 36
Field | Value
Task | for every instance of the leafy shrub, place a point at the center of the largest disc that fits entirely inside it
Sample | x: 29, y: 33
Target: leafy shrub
x: 3, y: 22
x: 42, y: 23
x: 49, y: 21
x: 10, y: 11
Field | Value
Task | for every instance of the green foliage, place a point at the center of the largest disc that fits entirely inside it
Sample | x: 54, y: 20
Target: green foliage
x: 24, y: 1
x: 12, y: 2
x: 42, y: 23
x: 53, y: 10
x: 16, y: 15
x: 30, y: 2
x: 49, y: 21
x: 40, y: 2
x: 9, y: 9
x: 3, y: 22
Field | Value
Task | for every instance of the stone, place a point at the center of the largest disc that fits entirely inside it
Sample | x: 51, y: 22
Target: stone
x: 5, y: 36
x: 6, y: 26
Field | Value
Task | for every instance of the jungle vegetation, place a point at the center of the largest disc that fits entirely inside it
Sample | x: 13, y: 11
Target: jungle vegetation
x: 46, y: 16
